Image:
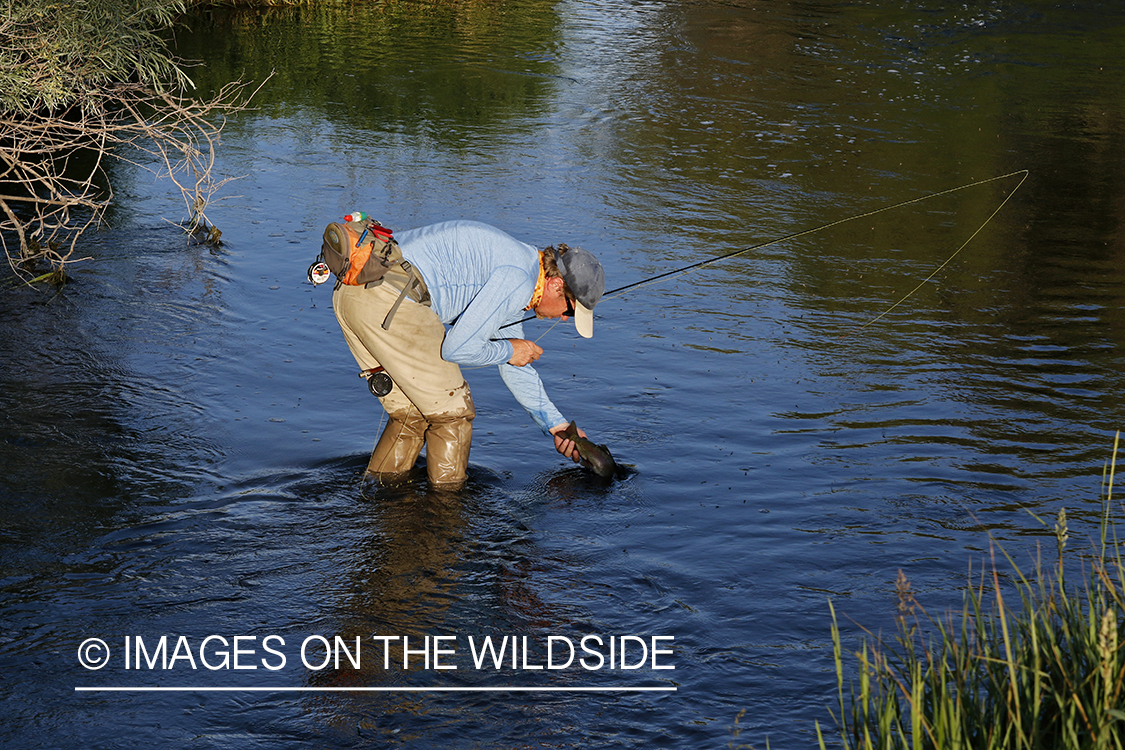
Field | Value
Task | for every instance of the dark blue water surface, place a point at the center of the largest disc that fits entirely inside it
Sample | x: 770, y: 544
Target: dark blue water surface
x: 184, y: 433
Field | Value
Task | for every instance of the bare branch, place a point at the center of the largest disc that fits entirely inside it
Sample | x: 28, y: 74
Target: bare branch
x: 52, y: 166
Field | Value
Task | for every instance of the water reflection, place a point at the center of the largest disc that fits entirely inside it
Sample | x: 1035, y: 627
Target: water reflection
x: 455, y: 565
x: 440, y: 71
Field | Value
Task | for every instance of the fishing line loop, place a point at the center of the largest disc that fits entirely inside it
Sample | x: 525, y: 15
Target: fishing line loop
x: 948, y: 260
x: 805, y: 232
x: 1023, y: 173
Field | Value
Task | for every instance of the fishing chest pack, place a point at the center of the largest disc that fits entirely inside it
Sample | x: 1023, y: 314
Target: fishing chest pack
x: 358, y: 251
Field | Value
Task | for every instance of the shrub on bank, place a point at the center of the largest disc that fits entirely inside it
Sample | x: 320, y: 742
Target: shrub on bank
x: 79, y: 80
x: 1049, y: 673
x: 61, y: 54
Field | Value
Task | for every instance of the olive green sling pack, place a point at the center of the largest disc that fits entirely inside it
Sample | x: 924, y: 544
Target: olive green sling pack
x: 359, y: 253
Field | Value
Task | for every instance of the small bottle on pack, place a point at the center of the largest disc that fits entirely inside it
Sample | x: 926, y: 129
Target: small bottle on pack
x: 357, y: 216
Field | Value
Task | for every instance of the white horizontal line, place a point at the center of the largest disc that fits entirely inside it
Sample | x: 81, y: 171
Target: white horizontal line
x: 371, y: 689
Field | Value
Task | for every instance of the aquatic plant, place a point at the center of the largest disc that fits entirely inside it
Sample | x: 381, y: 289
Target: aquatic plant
x: 1049, y: 673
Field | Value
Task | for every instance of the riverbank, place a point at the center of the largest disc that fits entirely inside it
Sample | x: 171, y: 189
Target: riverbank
x: 84, y: 85
x: 1044, y: 670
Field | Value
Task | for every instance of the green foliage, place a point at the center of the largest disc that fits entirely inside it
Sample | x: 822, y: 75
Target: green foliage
x: 86, y: 80
x: 80, y: 81
x: 58, y: 53
x: 1050, y: 674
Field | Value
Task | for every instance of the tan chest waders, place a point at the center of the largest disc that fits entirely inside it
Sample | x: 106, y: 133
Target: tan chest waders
x: 360, y: 251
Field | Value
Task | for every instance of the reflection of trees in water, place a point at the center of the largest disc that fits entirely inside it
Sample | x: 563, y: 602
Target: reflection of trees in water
x: 767, y: 120
x: 435, y: 69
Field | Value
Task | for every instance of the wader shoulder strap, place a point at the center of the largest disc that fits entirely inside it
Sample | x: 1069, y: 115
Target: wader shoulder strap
x: 412, y: 280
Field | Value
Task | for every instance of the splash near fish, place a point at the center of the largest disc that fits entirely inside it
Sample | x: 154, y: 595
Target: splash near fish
x: 596, y: 458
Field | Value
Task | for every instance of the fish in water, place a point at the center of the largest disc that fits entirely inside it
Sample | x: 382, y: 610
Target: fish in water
x: 596, y: 458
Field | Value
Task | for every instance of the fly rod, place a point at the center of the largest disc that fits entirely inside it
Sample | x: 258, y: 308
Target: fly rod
x: 804, y: 232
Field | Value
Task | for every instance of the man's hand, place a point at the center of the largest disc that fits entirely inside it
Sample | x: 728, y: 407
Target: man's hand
x: 524, y: 352
x: 565, y: 446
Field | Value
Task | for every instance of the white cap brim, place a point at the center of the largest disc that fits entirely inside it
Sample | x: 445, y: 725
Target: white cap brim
x: 583, y: 320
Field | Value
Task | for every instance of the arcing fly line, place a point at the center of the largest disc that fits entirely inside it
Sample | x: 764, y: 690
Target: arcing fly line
x: 937, y: 270
x: 805, y: 232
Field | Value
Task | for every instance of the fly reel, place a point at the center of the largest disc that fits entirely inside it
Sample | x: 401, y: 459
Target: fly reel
x: 319, y: 273
x: 378, y: 381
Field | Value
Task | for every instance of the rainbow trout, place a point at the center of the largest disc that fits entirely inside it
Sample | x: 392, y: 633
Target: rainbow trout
x: 596, y: 458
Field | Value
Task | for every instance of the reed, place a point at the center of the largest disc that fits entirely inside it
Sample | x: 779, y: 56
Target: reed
x: 1029, y: 661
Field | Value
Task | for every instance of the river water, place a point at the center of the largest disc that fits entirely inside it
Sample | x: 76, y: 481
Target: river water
x: 184, y: 432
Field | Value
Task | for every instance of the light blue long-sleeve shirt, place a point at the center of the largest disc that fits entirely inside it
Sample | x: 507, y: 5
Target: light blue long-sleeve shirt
x: 481, y: 278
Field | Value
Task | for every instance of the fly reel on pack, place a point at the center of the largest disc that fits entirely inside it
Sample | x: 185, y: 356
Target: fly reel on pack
x: 319, y: 272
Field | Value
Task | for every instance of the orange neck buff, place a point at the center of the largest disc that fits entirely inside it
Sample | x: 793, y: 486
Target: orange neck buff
x: 540, y: 285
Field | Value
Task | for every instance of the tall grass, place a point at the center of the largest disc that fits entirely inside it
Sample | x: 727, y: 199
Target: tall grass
x: 1030, y: 661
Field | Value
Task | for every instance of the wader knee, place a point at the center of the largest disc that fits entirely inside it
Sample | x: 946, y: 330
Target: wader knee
x: 447, y: 450
x: 399, y: 445
x: 448, y: 439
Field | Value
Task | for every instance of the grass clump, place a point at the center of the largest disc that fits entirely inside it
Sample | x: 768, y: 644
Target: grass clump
x: 1048, y: 673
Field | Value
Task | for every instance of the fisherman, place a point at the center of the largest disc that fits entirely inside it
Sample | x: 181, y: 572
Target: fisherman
x: 476, y: 279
